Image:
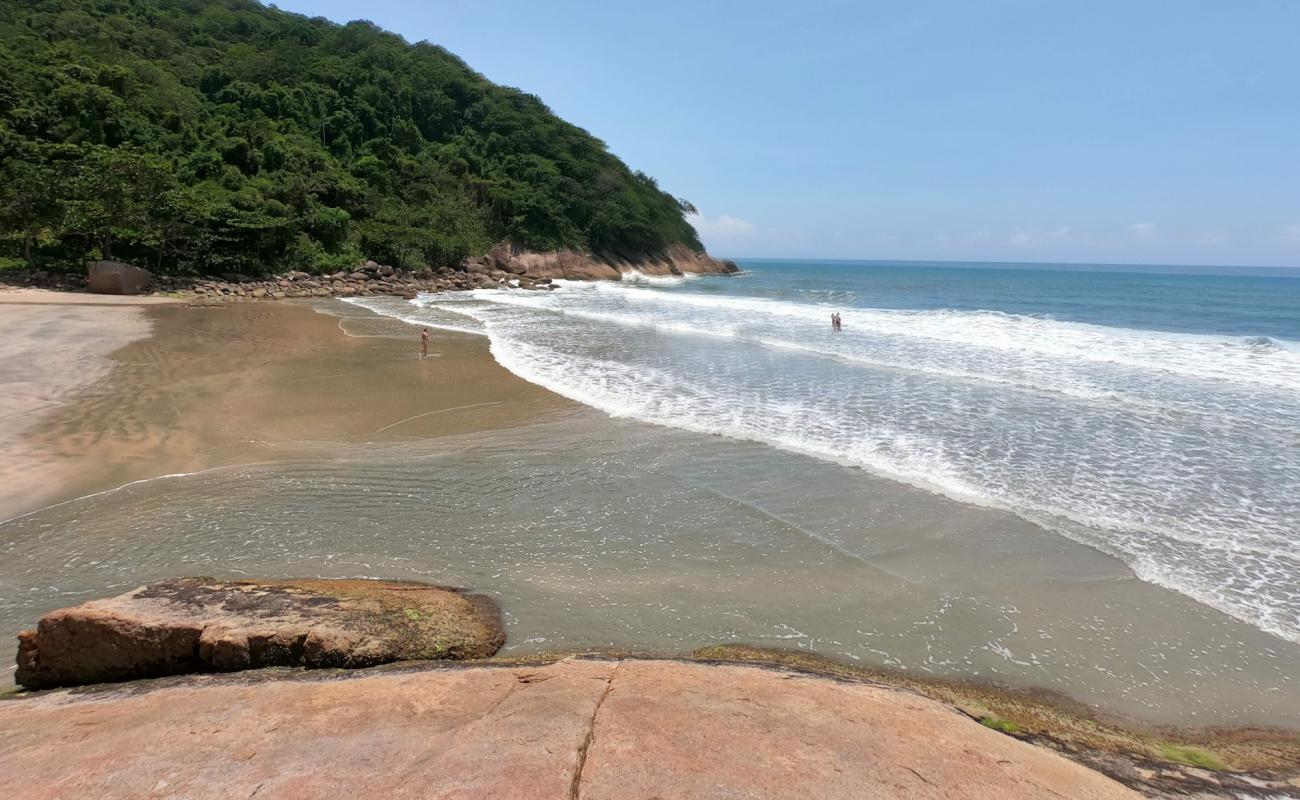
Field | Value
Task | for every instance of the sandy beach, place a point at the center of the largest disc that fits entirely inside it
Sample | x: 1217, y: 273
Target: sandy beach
x: 147, y: 386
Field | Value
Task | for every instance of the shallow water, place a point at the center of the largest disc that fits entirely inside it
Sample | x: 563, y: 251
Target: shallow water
x: 1155, y: 417
x: 600, y: 532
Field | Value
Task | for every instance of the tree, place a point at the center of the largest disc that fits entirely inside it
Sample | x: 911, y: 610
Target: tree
x: 28, y: 205
x: 224, y: 134
x: 110, y: 194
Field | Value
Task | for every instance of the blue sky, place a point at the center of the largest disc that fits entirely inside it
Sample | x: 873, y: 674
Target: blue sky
x: 1133, y: 131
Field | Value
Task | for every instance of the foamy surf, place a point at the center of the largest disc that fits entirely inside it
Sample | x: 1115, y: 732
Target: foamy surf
x: 1176, y: 452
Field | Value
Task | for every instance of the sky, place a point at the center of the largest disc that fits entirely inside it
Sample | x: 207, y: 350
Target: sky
x: 1108, y: 131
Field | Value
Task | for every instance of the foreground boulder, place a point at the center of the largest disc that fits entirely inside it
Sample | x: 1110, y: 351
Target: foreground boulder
x: 202, y: 625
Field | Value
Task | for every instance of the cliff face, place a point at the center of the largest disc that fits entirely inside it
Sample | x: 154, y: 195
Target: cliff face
x: 574, y: 265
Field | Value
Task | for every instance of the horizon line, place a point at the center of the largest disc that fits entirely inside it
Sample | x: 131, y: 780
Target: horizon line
x: 1295, y: 268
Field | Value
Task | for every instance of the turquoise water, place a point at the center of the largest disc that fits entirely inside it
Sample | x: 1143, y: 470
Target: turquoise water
x: 1249, y: 301
x: 1153, y: 413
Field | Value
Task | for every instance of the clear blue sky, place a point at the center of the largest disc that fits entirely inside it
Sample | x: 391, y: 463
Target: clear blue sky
x: 1139, y: 131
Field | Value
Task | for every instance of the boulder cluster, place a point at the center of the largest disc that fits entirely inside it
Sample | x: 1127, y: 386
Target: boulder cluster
x: 369, y: 278
x: 501, y: 267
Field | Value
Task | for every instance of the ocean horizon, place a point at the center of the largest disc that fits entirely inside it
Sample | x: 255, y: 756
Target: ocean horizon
x: 1247, y: 270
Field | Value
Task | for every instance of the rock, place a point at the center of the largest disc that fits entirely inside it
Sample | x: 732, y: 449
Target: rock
x: 595, y: 729
x: 113, y: 277
x: 358, y: 276
x: 499, y: 256
x: 370, y: 266
x: 297, y: 275
x: 386, y: 271
x: 201, y: 624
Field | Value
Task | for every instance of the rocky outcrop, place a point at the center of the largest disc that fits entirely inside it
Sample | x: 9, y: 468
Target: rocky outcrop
x: 595, y: 729
x: 115, y: 277
x: 504, y: 267
x: 574, y: 265
x: 201, y: 624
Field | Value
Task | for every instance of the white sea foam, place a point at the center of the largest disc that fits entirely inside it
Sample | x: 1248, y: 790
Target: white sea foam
x: 1178, y: 453
x: 636, y: 276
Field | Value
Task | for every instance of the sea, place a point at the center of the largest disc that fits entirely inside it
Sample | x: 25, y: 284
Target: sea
x: 1152, y: 413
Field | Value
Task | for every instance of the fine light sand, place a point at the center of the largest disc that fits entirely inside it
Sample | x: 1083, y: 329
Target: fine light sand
x: 98, y: 396
x: 45, y: 297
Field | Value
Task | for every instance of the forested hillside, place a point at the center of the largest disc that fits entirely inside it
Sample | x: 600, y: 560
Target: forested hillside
x: 221, y: 135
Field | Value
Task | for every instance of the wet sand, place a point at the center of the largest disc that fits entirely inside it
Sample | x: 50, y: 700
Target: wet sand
x: 110, y: 394
x: 315, y: 442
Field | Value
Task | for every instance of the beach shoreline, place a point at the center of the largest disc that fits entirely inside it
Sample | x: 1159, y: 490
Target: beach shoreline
x: 184, y: 369
x: 253, y: 382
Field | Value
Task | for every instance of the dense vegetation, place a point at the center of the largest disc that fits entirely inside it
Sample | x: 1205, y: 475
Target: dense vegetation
x: 221, y: 135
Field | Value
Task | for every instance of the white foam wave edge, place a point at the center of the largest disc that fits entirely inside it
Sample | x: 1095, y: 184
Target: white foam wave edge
x: 1077, y: 392
x: 1057, y: 520
x: 1174, y: 353
x: 636, y: 276
x: 360, y: 302
x: 511, y: 356
x: 104, y: 492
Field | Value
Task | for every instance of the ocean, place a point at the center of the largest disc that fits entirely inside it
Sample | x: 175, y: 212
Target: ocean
x: 1152, y: 413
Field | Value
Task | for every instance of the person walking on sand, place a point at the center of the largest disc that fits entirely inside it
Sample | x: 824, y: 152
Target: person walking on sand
x: 424, y: 342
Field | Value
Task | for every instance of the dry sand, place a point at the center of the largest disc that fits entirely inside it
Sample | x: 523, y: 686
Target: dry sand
x: 45, y: 297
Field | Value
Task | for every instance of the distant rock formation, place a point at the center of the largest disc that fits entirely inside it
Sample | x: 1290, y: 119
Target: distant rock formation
x: 574, y: 265
x: 203, y: 625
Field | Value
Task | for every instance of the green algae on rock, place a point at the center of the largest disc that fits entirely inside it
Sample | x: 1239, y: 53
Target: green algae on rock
x: 186, y: 625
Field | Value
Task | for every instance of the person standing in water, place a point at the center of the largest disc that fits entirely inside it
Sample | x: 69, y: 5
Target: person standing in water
x: 836, y: 325
x: 424, y: 342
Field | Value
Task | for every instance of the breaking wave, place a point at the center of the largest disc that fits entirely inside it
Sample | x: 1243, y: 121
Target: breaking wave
x: 1178, y: 453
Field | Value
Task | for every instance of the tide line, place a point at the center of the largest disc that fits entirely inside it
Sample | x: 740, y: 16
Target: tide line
x: 439, y: 411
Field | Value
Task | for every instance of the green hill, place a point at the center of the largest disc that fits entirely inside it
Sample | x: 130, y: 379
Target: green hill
x: 221, y: 135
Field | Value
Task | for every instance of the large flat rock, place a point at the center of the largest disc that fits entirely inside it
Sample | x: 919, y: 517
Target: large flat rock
x: 580, y: 728
x: 201, y: 625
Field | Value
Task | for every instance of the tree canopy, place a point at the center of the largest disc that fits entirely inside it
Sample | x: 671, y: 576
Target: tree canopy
x: 222, y: 135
